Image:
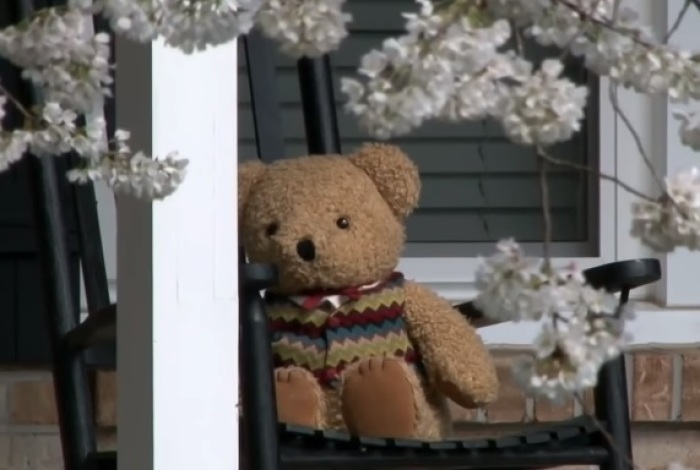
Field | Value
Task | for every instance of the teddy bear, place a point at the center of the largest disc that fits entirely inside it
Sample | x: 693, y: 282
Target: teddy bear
x: 356, y: 346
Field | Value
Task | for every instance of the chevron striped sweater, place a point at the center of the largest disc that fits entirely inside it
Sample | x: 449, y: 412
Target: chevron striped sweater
x: 326, y: 338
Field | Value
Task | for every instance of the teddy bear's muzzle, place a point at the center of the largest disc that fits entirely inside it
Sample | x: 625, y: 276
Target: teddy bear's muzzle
x: 306, y: 250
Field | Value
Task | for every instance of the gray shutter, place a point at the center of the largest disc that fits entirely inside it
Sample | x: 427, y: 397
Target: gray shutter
x: 477, y: 186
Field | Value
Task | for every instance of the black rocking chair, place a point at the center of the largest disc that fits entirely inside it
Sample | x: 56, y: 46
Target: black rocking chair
x: 603, y: 440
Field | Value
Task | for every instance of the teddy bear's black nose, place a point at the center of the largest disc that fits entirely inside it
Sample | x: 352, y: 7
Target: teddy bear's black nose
x: 306, y: 250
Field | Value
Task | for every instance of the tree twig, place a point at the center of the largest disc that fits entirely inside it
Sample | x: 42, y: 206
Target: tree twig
x: 482, y: 188
x: 635, y: 135
x: 679, y: 20
x: 696, y: 4
x: 546, y: 214
x: 576, y: 166
x: 20, y: 107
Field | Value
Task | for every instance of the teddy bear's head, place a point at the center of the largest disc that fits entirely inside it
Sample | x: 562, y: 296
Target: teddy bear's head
x: 328, y: 221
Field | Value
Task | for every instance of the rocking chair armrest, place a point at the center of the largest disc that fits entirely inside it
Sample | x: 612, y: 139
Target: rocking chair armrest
x: 624, y: 275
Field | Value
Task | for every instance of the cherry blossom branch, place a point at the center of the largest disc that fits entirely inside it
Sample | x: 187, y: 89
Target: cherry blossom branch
x: 576, y: 166
x: 604, y: 24
x: 567, y: 47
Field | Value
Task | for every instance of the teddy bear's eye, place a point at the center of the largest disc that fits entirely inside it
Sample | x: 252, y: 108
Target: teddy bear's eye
x: 271, y: 229
x: 343, y: 223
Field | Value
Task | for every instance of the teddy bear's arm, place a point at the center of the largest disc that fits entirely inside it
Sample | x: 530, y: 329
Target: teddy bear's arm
x: 458, y: 363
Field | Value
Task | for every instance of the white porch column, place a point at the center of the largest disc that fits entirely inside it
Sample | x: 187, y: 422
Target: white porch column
x: 177, y: 265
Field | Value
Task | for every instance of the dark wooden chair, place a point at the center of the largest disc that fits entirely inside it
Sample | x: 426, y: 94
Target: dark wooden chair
x: 75, y: 347
x: 603, y: 439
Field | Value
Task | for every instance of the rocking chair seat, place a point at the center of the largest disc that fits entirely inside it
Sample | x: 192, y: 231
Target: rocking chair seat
x: 577, y: 440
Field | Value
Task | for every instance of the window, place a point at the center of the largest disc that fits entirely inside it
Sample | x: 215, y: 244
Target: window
x: 478, y: 187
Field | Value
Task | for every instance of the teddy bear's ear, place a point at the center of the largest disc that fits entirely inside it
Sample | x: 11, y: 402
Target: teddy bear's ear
x: 249, y: 173
x: 394, y: 174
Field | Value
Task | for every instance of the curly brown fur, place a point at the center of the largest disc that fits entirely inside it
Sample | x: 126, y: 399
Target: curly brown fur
x: 385, y: 397
x: 458, y: 363
x: 300, y: 399
x: 302, y: 199
x: 395, y: 176
x: 249, y: 173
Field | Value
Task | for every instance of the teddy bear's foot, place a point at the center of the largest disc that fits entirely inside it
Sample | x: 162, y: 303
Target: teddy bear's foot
x: 299, y: 397
x: 378, y: 399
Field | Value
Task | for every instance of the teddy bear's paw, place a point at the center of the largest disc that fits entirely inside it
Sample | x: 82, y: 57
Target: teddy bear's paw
x: 378, y: 399
x: 299, y: 398
x: 477, y: 393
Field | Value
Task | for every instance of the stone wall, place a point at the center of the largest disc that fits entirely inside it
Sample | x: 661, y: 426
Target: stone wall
x: 665, y: 406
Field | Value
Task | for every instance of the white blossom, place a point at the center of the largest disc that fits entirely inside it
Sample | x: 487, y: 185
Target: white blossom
x: 55, y: 132
x: 446, y: 65
x: 674, y: 219
x: 512, y: 287
x: 193, y: 25
x: 57, y: 55
x: 304, y: 28
x: 124, y: 171
x: 189, y: 25
x: 689, y: 130
x: 583, y: 326
x: 137, y: 174
x: 13, y: 146
x: 452, y: 67
x: 545, y: 109
x: 613, y: 44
